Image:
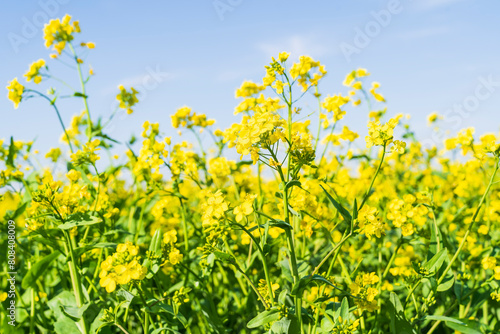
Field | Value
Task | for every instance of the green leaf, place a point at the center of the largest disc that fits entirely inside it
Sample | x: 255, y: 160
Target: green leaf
x: 434, y: 241
x: 435, y: 263
x: 80, y: 220
x: 355, y: 210
x: 443, y: 318
x: 293, y: 183
x: 125, y: 295
x: 264, y: 318
x: 155, y: 244
x: 285, y: 270
x: 339, y: 207
x: 464, y: 329
x: 63, y: 325
x: 224, y: 257
x: 300, y: 286
x: 285, y: 326
x: 399, y: 324
x: 447, y: 282
x: 344, y: 310
x: 78, y: 94
x: 80, y: 250
x: 169, y: 309
x: 74, y: 313
x: 38, y: 269
x: 18, y: 211
x: 282, y: 297
x: 159, y: 330
x: 12, y: 152
x: 280, y: 223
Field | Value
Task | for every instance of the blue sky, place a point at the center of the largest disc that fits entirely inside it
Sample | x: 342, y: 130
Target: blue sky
x: 429, y: 55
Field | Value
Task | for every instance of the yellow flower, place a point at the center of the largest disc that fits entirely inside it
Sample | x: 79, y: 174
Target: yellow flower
x: 127, y: 99
x: 248, y: 88
x: 108, y: 282
x: 244, y: 209
x: 433, y: 118
x: 380, y: 135
x: 175, y: 256
x: 54, y: 154
x: 489, y: 262
x: 170, y: 237
x: 283, y: 56
x: 87, y: 154
x: 73, y: 175
x: 347, y: 134
x: 58, y: 32
x: 33, y: 72
x: 399, y: 146
x: 376, y: 95
x: 356, y: 74
x: 213, y: 209
x: 483, y: 229
x: 303, y: 71
x: 333, y: 104
x: 220, y: 168
x: 278, y: 85
x: 15, y: 92
x: 184, y: 117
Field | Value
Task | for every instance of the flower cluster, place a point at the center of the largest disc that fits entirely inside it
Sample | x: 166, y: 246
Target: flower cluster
x: 382, y: 134
x: 370, y: 223
x: 122, y: 267
x: 186, y: 118
x: 87, y: 155
x: 362, y: 288
x: 406, y: 212
x: 58, y: 32
x: 127, y: 99
x: 16, y: 91
x: 34, y: 71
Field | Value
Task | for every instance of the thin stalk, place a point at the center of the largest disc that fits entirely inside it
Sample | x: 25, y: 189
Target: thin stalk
x: 75, y: 280
x: 319, y: 118
x: 52, y: 103
x: 184, y: 227
x: 253, y: 286
x: 462, y: 243
x: 32, y: 308
x: 373, y: 179
x: 82, y: 83
x: 263, y: 258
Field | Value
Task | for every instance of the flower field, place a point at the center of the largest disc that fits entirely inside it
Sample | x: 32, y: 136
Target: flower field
x: 287, y: 221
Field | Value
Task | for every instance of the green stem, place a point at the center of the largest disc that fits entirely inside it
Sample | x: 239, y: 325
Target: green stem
x: 327, y: 143
x: 53, y: 104
x: 436, y: 230
x: 263, y: 259
x: 462, y: 243
x: 184, y: 227
x: 75, y: 280
x: 373, y: 179
x: 319, y: 118
x: 253, y: 286
x: 32, y: 308
x: 82, y: 83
